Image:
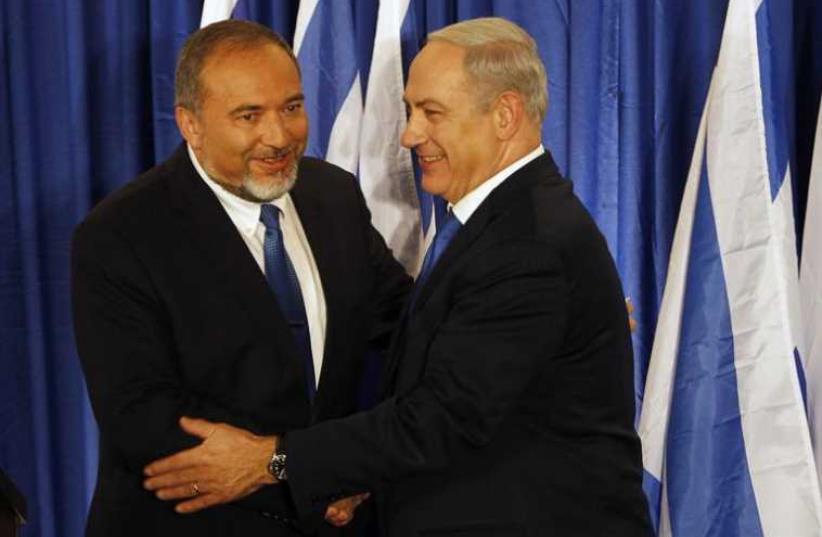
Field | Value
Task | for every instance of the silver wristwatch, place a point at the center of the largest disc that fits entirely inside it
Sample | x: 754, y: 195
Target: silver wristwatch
x: 276, y: 466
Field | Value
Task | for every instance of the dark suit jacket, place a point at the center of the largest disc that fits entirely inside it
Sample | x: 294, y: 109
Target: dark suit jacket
x: 511, y: 408
x: 173, y: 317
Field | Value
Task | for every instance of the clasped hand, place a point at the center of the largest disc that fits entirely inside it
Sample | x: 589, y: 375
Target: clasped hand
x: 229, y: 464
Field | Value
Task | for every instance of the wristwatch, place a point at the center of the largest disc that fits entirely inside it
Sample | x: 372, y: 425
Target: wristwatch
x: 276, y: 466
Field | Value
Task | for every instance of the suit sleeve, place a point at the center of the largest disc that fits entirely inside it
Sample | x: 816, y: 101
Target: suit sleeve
x: 126, y: 346
x: 507, y: 316
x: 392, y: 285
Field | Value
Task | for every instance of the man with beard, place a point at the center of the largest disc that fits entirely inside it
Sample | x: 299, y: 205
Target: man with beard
x: 238, y: 281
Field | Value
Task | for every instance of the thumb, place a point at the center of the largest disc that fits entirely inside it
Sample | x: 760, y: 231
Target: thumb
x: 197, y: 427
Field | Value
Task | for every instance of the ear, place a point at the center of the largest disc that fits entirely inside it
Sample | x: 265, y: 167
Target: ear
x: 509, y: 113
x: 190, y: 126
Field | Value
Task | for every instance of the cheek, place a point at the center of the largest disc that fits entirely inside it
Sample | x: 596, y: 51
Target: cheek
x: 298, y: 129
x: 232, y: 152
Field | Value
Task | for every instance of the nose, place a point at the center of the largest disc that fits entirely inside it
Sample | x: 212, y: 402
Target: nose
x: 273, y: 131
x: 413, y: 135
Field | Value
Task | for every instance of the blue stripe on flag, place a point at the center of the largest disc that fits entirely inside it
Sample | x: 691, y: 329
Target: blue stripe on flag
x: 768, y: 23
x: 706, y: 465
x: 329, y: 66
x: 653, y: 492
x: 276, y: 15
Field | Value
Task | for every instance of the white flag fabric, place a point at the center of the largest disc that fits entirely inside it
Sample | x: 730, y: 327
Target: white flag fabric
x: 811, y: 284
x: 216, y: 10
x: 386, y: 170
x: 726, y: 445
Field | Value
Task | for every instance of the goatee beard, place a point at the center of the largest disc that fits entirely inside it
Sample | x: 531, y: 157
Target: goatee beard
x: 261, y: 192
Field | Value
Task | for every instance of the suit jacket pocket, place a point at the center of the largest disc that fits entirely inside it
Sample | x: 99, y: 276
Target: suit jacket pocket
x: 479, y: 529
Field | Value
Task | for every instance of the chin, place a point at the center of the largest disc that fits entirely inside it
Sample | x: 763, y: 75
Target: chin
x: 269, y: 188
x: 434, y: 186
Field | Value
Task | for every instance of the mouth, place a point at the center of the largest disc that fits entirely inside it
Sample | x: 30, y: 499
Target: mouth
x: 427, y: 161
x: 274, y: 163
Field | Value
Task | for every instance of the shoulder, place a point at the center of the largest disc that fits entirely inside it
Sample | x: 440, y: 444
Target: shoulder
x: 326, y: 185
x: 316, y: 171
x: 540, y: 224
x: 136, y: 204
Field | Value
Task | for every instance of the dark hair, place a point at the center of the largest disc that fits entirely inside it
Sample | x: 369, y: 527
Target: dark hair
x: 228, y: 34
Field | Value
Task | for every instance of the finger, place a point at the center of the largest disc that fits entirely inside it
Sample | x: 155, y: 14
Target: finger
x: 180, y: 492
x: 203, y: 501
x: 339, y: 520
x: 178, y: 461
x: 629, y: 305
x: 173, y: 479
x: 197, y: 427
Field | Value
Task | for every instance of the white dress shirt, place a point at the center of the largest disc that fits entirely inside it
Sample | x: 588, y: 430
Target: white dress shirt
x: 465, y: 207
x: 246, y: 218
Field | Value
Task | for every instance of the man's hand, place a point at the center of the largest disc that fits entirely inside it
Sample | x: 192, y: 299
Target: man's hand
x: 341, y: 512
x: 229, y: 464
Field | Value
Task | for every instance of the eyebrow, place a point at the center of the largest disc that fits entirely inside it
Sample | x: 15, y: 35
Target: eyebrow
x: 423, y: 102
x: 248, y: 107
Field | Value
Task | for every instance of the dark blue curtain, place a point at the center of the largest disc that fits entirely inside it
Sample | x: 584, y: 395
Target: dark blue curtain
x: 86, y: 91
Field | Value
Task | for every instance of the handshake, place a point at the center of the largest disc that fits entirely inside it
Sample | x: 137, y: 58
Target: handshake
x: 228, y: 465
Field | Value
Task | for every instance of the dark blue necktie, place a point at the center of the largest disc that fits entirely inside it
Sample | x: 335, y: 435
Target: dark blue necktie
x: 444, y: 235
x: 283, y: 281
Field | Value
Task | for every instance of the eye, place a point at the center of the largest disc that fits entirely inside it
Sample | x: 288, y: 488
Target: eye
x: 247, y: 117
x: 292, y: 108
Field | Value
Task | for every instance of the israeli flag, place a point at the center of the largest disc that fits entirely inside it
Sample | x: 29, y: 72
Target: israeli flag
x: 726, y: 445
x: 386, y: 169
x: 811, y: 284
x: 324, y: 43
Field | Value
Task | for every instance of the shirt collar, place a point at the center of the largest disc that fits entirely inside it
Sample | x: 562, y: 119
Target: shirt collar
x: 465, y: 207
x: 244, y: 213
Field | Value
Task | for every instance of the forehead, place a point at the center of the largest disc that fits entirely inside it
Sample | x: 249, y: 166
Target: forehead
x: 436, y: 73
x: 262, y: 71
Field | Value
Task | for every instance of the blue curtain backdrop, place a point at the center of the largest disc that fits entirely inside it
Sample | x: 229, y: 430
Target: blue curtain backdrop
x: 86, y: 104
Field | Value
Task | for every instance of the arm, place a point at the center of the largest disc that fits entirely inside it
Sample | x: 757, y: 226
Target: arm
x: 126, y: 346
x: 505, y: 321
x: 392, y: 285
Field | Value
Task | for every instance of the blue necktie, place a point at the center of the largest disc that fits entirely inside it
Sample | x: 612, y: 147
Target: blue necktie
x: 443, y: 237
x: 283, y: 281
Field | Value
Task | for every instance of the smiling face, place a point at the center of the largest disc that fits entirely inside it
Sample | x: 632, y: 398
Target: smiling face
x: 251, y: 128
x: 455, y: 142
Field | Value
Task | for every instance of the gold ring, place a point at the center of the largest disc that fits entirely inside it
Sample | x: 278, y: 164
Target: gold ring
x: 195, y: 489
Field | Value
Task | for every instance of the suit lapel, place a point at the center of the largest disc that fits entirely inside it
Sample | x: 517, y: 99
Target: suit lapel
x: 496, y: 204
x: 210, y: 229
x: 315, y: 222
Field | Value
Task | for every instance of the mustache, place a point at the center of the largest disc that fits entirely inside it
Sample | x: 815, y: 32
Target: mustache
x: 273, y: 152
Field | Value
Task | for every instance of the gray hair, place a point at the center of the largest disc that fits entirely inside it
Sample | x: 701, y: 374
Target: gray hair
x: 220, y: 36
x: 500, y: 57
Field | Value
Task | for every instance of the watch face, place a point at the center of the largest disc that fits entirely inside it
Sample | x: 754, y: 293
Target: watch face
x: 277, y: 467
